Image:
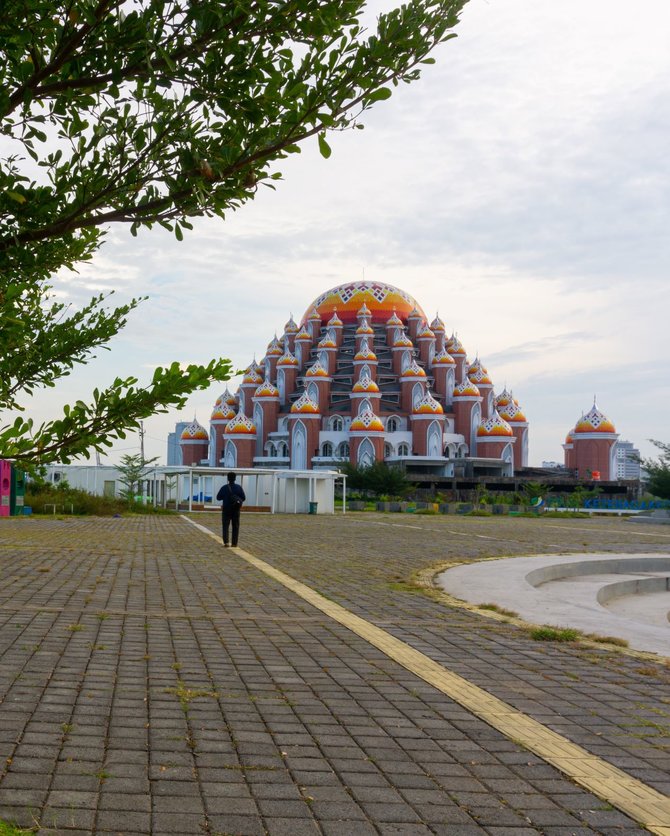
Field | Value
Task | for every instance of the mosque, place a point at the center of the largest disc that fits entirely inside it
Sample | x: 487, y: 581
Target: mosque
x: 363, y: 377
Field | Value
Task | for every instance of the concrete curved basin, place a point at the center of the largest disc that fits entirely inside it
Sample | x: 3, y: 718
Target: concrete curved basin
x: 627, y: 596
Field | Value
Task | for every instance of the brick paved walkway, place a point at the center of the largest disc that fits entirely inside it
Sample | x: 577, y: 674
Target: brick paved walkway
x: 153, y: 682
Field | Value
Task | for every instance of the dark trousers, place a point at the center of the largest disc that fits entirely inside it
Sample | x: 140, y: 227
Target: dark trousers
x: 228, y: 517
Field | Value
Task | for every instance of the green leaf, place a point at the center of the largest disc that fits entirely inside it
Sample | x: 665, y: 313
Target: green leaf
x: 324, y: 148
x: 379, y: 95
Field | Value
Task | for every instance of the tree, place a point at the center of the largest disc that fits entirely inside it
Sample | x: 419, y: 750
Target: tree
x: 132, y: 469
x: 534, y: 490
x: 376, y: 478
x: 138, y: 112
x: 659, y: 470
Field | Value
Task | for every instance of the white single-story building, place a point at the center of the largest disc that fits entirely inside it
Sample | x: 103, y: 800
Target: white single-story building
x: 276, y: 491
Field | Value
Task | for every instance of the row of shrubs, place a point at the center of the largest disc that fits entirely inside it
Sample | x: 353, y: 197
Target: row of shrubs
x: 41, y: 497
x: 452, y: 508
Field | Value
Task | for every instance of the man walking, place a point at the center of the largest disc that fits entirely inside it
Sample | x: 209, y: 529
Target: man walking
x: 231, y: 496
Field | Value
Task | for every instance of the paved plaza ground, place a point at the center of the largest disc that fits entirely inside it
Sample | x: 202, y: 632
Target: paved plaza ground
x: 153, y: 682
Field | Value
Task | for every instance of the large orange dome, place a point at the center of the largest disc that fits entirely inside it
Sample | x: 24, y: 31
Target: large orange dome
x: 382, y: 299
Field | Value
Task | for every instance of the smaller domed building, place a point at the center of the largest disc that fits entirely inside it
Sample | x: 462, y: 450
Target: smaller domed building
x: 590, y: 447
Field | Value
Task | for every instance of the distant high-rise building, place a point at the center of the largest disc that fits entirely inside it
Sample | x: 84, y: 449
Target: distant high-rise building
x: 173, y: 449
x: 627, y: 459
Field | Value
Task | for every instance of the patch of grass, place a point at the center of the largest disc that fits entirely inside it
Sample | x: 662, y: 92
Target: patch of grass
x: 102, y: 616
x: 427, y: 512
x: 501, y: 610
x: 554, y: 634
x: 478, y: 512
x: 75, y: 628
x: 595, y: 637
x: 402, y: 586
x: 647, y: 671
x: 7, y: 829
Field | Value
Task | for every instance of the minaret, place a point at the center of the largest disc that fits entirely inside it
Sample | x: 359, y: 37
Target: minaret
x: 437, y: 327
x: 250, y: 382
x: 428, y: 427
x: 336, y: 327
x: 303, y: 347
x: 467, y: 413
x: 366, y: 439
x: 239, y: 442
x: 328, y: 347
x: 194, y: 443
x: 455, y: 348
x: 516, y: 419
x: 495, y: 440
x: 273, y: 353
x: 318, y: 375
x: 503, y: 400
x: 426, y: 341
x: 392, y: 325
x: 313, y: 324
x: 365, y: 359
x: 266, y: 412
x: 414, y: 321
x: 444, y: 375
x: 365, y: 389
x: 402, y: 352
x: 478, y: 375
x: 287, y: 375
x: 304, y: 429
x: 290, y: 330
x: 364, y: 332
x: 221, y: 414
x: 412, y: 386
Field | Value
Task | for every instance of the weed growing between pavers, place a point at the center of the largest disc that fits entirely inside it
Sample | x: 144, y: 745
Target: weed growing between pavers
x: 555, y: 634
x: 186, y: 694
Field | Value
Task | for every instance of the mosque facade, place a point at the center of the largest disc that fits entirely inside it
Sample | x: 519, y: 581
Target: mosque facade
x: 364, y: 377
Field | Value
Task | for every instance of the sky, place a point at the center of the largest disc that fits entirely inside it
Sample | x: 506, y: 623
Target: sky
x: 520, y: 189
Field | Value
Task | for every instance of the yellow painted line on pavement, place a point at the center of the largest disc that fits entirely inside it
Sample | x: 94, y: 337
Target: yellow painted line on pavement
x: 641, y: 802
